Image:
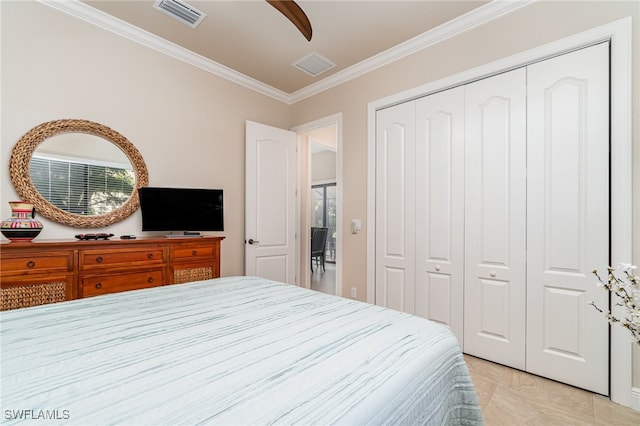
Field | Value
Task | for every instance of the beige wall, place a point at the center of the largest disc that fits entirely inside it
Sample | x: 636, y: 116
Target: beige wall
x: 187, y: 123
x: 323, y: 167
x: 529, y: 27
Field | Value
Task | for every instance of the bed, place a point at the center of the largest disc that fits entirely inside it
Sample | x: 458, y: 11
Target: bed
x: 231, y: 351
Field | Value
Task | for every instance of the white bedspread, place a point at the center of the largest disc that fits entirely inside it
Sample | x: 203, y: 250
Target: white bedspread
x: 230, y: 351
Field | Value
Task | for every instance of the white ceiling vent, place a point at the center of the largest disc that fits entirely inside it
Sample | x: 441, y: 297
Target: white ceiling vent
x: 180, y: 11
x: 314, y: 64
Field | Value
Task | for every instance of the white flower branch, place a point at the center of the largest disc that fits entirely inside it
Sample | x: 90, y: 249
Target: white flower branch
x: 627, y: 289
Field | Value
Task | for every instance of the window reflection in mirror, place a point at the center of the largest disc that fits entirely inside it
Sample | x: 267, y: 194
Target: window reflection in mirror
x: 82, y: 174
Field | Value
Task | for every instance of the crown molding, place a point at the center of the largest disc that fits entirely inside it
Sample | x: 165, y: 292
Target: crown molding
x: 472, y: 19
x: 117, y: 26
x: 459, y: 25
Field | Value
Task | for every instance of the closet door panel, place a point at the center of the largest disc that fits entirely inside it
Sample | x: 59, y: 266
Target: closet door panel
x: 439, y: 198
x: 568, y: 217
x: 395, y: 207
x: 495, y: 221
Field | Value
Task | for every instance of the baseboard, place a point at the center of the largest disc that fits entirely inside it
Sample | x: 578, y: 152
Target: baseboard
x: 635, y: 398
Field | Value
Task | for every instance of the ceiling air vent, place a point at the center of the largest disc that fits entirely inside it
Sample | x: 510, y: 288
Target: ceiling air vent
x: 314, y: 64
x: 180, y: 11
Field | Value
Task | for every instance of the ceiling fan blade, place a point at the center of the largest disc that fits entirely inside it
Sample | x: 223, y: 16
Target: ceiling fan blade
x: 295, y: 14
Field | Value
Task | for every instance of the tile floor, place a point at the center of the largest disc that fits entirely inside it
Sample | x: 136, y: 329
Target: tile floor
x: 324, y: 281
x: 513, y: 397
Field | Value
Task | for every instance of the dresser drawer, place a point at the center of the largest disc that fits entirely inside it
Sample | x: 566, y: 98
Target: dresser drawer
x: 36, y: 263
x: 90, y: 259
x: 192, y: 252
x: 94, y: 285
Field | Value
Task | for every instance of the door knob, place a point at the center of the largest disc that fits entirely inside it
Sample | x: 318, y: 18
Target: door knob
x: 252, y: 241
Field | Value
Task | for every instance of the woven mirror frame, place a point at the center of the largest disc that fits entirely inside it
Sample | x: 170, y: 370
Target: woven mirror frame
x: 20, y: 161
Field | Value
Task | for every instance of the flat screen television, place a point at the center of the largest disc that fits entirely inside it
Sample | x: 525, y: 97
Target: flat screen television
x: 181, y: 209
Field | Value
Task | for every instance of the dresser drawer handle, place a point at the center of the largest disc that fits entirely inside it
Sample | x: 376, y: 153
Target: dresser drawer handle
x: 99, y: 259
x: 194, y: 252
x: 31, y: 264
x: 150, y: 280
x: 98, y: 285
x: 150, y: 256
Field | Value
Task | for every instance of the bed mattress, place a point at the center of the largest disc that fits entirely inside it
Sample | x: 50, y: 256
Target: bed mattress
x: 233, y: 351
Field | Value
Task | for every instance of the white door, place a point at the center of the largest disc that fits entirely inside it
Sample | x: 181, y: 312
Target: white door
x: 395, y: 207
x: 270, y: 202
x: 439, y: 222
x: 568, y: 217
x: 495, y: 221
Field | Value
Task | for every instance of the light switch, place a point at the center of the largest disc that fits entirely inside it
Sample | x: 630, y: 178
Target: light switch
x: 356, y: 225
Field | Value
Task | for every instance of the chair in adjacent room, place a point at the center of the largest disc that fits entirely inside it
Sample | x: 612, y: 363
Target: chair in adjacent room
x: 318, y: 244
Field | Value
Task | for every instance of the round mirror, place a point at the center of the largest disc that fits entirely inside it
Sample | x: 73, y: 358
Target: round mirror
x: 78, y: 173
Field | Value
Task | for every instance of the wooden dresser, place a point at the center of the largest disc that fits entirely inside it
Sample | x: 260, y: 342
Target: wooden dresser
x: 48, y: 271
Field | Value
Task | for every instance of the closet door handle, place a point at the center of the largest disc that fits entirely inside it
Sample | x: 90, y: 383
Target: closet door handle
x: 252, y: 241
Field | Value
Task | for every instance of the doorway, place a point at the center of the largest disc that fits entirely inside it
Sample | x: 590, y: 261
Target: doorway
x: 320, y: 190
x: 323, y: 215
x: 324, y: 208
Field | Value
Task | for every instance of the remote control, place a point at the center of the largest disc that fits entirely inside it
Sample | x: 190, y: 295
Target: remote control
x: 127, y: 237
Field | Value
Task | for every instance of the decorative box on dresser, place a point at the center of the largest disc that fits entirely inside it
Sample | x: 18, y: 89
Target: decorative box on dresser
x: 48, y: 271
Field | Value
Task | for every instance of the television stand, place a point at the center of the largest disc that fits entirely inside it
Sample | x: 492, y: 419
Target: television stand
x: 48, y: 271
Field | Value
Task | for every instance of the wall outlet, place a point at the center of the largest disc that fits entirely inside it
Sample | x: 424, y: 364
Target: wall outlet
x: 354, y: 292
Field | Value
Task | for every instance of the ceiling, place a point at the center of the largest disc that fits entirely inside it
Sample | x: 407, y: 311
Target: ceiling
x: 252, y: 38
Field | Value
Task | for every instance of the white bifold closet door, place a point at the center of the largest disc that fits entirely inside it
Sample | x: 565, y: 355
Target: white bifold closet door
x: 568, y: 216
x: 492, y: 208
x: 440, y: 209
x: 495, y: 218
x: 420, y: 208
x: 537, y: 217
x: 395, y: 207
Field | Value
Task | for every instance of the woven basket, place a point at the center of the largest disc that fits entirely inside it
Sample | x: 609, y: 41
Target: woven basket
x: 32, y: 295
x: 192, y: 274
